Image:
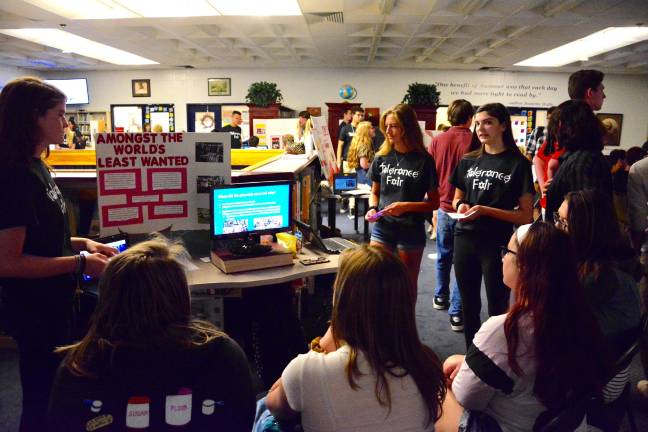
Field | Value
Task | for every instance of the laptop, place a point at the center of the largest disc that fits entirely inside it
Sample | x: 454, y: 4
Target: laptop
x: 345, y: 182
x: 333, y: 245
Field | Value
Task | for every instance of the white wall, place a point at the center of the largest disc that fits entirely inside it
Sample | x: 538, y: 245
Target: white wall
x: 7, y: 73
x: 626, y: 94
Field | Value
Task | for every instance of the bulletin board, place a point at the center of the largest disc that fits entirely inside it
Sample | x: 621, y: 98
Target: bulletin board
x: 269, y: 131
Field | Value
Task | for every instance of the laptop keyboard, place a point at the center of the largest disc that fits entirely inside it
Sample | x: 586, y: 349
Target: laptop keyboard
x: 338, y: 243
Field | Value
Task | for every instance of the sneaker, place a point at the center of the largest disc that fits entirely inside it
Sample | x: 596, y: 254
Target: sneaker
x: 642, y: 388
x: 342, y: 210
x: 351, y: 214
x: 456, y: 323
x: 440, y: 302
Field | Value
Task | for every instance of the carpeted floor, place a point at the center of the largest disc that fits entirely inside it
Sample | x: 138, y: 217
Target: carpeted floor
x: 434, y: 329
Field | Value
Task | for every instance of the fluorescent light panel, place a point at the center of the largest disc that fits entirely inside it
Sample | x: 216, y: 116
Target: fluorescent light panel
x: 597, y: 43
x: 257, y: 7
x: 76, y: 44
x: 116, y: 9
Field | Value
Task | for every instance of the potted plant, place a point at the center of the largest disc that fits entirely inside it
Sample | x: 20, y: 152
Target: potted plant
x: 422, y: 95
x: 263, y: 94
x: 424, y: 99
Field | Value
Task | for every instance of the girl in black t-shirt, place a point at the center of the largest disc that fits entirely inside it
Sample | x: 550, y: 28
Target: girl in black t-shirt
x: 402, y: 174
x: 38, y: 265
x: 494, y: 191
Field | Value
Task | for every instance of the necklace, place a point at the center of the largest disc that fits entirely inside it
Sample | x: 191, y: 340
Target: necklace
x: 399, y: 160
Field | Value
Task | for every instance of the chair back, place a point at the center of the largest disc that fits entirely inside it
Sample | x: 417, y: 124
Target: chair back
x: 567, y: 418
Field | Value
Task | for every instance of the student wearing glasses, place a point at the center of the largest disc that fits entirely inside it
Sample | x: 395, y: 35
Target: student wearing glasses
x: 542, y: 351
x: 494, y: 191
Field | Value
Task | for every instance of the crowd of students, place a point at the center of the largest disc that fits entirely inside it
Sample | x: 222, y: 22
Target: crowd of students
x: 562, y: 293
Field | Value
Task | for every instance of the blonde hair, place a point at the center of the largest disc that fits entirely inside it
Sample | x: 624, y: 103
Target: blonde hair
x: 408, y: 122
x: 361, y: 141
x: 287, y: 139
x: 144, y: 302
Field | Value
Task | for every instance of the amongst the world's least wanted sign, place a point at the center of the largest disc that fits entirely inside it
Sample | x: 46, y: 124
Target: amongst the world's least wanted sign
x: 154, y: 181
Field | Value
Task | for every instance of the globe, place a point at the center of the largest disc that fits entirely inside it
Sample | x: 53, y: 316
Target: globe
x: 347, y: 92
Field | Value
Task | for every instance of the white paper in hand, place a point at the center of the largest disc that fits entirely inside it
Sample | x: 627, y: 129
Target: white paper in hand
x: 460, y: 215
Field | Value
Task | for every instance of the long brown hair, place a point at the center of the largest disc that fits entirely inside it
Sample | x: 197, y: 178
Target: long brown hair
x: 22, y: 102
x: 407, y: 120
x: 373, y: 312
x: 362, y: 139
x: 569, y: 347
x: 144, y: 303
x: 593, y: 230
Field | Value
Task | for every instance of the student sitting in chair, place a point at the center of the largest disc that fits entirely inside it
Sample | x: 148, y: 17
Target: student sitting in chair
x: 144, y: 362
x: 546, y: 351
x: 378, y: 375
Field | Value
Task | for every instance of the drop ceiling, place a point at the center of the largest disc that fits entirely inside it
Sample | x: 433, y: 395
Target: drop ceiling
x: 426, y: 34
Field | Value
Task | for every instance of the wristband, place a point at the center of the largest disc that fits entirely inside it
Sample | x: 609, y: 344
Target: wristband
x: 461, y: 201
x: 373, y: 208
x: 77, y: 264
x: 80, y: 266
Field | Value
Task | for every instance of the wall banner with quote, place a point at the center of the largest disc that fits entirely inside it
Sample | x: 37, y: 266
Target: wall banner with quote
x: 155, y: 181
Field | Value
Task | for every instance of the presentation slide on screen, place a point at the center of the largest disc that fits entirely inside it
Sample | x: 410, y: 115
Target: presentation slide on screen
x: 248, y: 209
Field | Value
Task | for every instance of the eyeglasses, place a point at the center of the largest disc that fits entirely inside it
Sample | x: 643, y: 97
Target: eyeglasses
x: 504, y: 250
x: 559, y: 221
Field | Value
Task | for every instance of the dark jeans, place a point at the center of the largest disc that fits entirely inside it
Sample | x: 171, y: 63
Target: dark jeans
x: 476, y: 255
x: 36, y: 339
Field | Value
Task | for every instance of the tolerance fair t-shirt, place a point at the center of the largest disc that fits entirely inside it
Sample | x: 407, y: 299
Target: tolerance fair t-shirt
x: 492, y: 180
x: 235, y: 131
x: 403, y: 177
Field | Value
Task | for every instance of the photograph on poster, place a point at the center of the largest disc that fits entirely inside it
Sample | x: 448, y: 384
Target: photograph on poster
x: 612, y: 124
x: 203, y: 215
x: 205, y: 183
x: 141, y: 87
x: 219, y: 86
x: 209, y: 152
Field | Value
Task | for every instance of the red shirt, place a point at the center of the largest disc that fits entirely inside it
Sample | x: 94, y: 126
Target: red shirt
x: 447, y: 150
x: 541, y: 155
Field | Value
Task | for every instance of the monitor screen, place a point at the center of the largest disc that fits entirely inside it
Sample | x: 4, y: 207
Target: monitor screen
x: 250, y: 208
x: 76, y: 89
x: 345, y: 182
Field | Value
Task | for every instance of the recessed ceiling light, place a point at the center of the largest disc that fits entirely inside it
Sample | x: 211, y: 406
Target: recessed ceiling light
x: 597, y: 43
x: 76, y: 44
x: 119, y: 9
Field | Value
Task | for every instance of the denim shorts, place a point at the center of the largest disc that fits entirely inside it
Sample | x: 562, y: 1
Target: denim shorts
x: 399, y: 235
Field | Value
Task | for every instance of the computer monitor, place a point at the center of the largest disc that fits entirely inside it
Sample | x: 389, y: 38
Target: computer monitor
x: 345, y: 182
x: 247, y: 209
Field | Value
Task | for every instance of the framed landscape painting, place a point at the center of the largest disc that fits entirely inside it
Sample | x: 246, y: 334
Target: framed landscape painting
x: 219, y: 86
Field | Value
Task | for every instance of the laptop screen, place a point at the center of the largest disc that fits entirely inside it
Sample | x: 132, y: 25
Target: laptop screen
x: 345, y: 182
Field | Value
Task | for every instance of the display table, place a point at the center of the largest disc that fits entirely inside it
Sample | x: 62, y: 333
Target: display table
x: 362, y: 197
x: 209, y: 277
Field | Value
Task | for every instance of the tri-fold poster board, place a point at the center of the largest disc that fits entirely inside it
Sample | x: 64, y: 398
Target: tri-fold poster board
x: 154, y: 181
